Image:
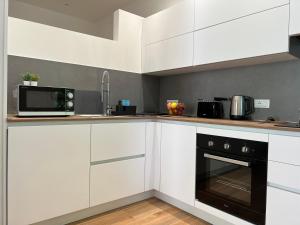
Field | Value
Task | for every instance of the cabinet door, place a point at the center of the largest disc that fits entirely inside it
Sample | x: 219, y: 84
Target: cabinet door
x: 295, y: 17
x: 282, y: 207
x: 256, y: 35
x: 178, y: 162
x: 212, y: 12
x: 170, y: 22
x: 169, y: 54
x: 152, y: 167
x: 48, y: 172
x: 117, y: 140
x: 116, y: 180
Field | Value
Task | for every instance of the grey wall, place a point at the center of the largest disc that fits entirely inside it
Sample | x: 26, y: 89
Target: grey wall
x: 279, y: 82
x: 142, y: 90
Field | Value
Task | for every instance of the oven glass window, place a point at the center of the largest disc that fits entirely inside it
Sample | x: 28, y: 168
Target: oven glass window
x: 229, y: 181
x: 43, y: 99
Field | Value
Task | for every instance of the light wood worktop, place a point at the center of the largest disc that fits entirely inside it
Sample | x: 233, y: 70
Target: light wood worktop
x: 224, y: 122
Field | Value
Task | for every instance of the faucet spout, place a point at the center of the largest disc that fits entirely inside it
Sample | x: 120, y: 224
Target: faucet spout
x: 105, y: 92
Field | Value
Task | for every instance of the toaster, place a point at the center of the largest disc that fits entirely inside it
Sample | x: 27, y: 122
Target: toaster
x: 210, y: 109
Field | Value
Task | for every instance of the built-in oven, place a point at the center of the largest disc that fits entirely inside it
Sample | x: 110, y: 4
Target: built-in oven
x: 231, y: 175
x: 45, y: 101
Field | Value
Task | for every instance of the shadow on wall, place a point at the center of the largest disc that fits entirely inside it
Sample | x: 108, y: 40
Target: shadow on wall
x: 142, y: 90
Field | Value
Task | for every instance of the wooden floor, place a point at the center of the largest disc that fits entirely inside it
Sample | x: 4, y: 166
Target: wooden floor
x: 149, y: 212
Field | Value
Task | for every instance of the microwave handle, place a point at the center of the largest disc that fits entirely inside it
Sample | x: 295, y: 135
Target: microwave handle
x: 233, y: 161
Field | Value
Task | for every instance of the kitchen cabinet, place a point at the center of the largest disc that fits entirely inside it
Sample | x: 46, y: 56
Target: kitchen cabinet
x: 290, y: 145
x: 117, y: 140
x: 213, y: 12
x: 282, y: 207
x: 295, y: 17
x: 152, y: 166
x: 169, y: 54
x: 178, y: 162
x: 48, y: 172
x: 260, y: 34
x: 116, y: 180
x: 171, y: 22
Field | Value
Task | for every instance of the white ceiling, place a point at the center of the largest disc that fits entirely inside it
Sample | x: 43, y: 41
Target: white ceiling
x: 90, y: 10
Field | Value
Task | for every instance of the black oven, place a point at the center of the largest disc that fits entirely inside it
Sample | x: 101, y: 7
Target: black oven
x: 45, y: 101
x: 231, y: 175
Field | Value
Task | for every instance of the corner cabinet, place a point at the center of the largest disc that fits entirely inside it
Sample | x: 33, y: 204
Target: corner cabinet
x: 178, y: 162
x: 48, y: 172
x: 295, y: 17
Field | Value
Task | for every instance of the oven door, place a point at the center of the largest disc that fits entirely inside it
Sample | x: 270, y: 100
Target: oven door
x: 232, y: 184
x: 41, y: 99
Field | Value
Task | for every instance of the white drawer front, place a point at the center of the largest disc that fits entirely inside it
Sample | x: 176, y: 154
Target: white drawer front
x: 117, y: 140
x: 116, y: 180
x: 212, y: 12
x: 282, y: 207
x: 284, y: 149
x: 233, y: 134
x: 284, y: 175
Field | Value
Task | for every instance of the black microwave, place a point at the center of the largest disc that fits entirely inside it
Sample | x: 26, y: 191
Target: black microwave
x: 45, y: 101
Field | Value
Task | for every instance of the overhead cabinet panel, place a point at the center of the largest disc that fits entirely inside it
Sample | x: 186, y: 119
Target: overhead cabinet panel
x: 170, y: 22
x: 295, y: 17
x: 212, y: 12
x: 169, y: 54
x: 260, y: 34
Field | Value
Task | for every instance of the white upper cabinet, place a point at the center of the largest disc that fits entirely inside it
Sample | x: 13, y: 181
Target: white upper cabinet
x: 260, y: 34
x: 295, y: 17
x: 178, y: 162
x: 169, y: 54
x: 48, y: 172
x: 212, y: 12
x: 117, y: 140
x: 170, y: 22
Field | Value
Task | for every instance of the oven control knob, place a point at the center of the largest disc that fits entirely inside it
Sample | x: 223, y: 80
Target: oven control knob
x: 227, y: 146
x: 211, y: 144
x: 70, y: 104
x: 70, y: 95
x: 245, y: 149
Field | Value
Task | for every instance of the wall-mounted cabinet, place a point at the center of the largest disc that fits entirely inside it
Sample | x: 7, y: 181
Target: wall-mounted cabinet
x: 295, y: 17
x: 169, y: 54
x: 212, y: 12
x: 260, y: 34
x: 171, y: 22
x: 48, y: 172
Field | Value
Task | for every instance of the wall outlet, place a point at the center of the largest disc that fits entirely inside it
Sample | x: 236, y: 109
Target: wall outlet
x: 262, y: 103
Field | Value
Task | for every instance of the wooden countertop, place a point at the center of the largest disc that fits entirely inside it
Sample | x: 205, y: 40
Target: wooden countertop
x: 225, y: 122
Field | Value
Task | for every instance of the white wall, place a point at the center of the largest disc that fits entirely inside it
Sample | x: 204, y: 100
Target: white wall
x: 3, y: 86
x: 33, y: 13
x: 34, y: 40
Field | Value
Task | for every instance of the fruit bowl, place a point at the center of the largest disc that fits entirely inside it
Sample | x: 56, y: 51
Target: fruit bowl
x: 175, y: 108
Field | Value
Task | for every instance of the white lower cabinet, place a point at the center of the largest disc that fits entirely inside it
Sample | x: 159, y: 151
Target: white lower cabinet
x: 178, y: 162
x: 48, y: 172
x: 282, y: 207
x: 116, y: 180
x: 294, y: 17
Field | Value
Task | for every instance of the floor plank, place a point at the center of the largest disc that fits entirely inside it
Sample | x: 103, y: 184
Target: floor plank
x: 149, y: 212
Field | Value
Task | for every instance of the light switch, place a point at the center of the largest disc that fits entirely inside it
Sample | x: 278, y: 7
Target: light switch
x: 262, y: 103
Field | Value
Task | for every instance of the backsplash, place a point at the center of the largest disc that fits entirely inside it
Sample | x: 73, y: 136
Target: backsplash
x: 279, y: 82
x: 143, y: 91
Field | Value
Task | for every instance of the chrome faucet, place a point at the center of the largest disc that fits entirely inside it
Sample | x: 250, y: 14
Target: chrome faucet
x: 105, y: 90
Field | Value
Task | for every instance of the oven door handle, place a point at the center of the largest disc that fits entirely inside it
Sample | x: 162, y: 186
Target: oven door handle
x: 233, y: 161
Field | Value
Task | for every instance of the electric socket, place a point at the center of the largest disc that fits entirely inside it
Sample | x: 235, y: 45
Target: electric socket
x: 262, y: 103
